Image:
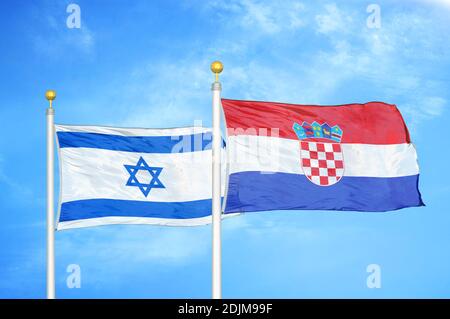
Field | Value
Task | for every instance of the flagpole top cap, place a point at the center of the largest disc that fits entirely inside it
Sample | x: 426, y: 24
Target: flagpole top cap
x: 50, y: 95
x: 216, y: 67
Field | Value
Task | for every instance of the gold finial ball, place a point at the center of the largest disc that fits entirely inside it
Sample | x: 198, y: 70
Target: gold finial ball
x: 50, y: 95
x: 216, y: 67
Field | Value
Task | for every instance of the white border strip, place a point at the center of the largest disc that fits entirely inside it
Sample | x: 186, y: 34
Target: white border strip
x: 116, y: 220
x: 178, y: 131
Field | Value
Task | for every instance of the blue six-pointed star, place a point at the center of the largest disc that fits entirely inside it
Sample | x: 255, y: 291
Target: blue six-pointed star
x: 143, y: 166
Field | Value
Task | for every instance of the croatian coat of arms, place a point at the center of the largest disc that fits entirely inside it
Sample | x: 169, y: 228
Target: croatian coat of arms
x: 321, y: 155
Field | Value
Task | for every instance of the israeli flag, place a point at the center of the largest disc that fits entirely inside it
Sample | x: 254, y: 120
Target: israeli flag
x: 134, y: 176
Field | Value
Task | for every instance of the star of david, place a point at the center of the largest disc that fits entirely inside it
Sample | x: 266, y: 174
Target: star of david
x: 143, y: 166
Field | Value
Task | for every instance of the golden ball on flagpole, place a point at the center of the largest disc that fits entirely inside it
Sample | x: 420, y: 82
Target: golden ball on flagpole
x: 216, y: 68
x: 50, y: 95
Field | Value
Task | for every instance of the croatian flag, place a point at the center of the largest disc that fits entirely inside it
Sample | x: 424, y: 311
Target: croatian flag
x: 134, y: 176
x: 355, y: 157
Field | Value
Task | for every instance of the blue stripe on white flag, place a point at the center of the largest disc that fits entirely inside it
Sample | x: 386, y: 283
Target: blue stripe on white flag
x: 140, y: 144
x: 95, y: 208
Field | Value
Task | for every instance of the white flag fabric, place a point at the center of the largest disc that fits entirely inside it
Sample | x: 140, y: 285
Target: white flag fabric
x: 134, y: 176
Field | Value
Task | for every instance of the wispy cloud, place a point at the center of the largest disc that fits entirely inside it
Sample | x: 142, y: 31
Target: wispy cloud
x: 394, y: 61
x: 332, y: 20
x: 168, y: 93
x: 17, y: 191
x: 55, y: 45
x: 53, y: 37
x: 135, y: 244
x: 266, y: 17
x: 424, y: 108
x: 442, y: 3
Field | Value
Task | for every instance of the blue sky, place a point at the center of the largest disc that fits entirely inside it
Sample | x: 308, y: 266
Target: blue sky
x: 146, y: 64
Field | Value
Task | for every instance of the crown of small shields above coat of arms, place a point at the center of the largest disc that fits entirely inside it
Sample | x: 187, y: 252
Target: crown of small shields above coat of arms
x: 316, y: 130
x: 322, y: 161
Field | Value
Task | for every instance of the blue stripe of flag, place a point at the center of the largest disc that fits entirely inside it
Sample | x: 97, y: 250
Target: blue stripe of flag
x: 94, y: 208
x: 253, y: 191
x: 139, y: 144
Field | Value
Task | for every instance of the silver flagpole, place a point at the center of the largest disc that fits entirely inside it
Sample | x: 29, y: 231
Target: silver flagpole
x: 216, y: 68
x: 50, y: 95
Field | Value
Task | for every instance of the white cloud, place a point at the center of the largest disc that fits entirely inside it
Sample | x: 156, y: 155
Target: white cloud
x: 333, y: 20
x: 434, y: 105
x: 423, y: 108
x: 18, y: 191
x: 388, y: 59
x: 259, y: 227
x: 266, y: 17
x: 168, y: 94
x: 443, y: 3
x: 57, y: 39
x: 134, y: 244
x: 57, y: 42
x: 272, y: 17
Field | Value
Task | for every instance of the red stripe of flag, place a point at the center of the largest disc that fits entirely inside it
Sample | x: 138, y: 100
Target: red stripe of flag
x: 369, y: 123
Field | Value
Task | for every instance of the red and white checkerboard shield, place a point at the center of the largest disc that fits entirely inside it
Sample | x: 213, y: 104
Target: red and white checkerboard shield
x: 322, y: 162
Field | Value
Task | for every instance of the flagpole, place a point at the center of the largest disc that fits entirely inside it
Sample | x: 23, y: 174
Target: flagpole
x: 216, y: 68
x: 50, y: 95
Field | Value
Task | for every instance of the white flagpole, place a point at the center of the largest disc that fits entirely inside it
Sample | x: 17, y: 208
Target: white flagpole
x: 50, y: 95
x: 216, y: 68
